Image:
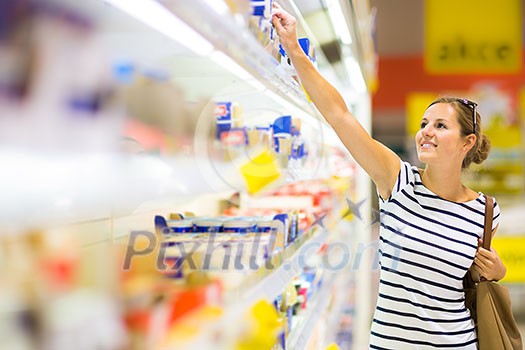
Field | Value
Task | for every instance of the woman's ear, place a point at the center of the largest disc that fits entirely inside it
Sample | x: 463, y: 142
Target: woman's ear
x: 470, y: 141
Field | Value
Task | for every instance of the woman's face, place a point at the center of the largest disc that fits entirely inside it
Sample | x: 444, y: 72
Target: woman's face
x: 439, y: 139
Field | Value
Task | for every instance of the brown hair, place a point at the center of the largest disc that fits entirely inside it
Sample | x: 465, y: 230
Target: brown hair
x: 481, y: 149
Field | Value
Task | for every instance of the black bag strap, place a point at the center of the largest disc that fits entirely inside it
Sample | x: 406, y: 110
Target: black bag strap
x: 487, y: 229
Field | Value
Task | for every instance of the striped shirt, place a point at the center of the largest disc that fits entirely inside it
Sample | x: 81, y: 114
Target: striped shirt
x: 427, y: 244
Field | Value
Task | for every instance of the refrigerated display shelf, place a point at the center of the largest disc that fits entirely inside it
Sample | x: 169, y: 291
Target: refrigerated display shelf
x: 42, y: 189
x: 269, y: 283
x: 301, y: 333
x: 231, y: 45
x: 263, y: 284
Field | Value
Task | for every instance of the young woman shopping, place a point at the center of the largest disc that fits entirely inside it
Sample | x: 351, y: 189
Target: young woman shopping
x: 430, y: 223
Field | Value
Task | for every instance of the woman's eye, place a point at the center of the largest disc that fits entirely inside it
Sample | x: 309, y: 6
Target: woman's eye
x: 422, y: 125
x: 441, y: 126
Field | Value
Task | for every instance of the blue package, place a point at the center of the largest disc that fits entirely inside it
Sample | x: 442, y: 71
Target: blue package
x: 284, y: 219
x: 223, y: 117
x: 305, y: 45
x: 260, y: 8
x: 281, y: 128
x: 123, y: 72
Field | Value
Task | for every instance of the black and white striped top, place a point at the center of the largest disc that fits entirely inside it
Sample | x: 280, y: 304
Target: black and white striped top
x: 427, y: 243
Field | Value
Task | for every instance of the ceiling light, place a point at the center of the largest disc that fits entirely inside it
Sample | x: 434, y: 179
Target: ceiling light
x: 335, y: 11
x: 160, y: 18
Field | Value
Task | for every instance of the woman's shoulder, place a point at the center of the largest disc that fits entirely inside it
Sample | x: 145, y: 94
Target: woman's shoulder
x: 411, y: 169
x: 472, y: 195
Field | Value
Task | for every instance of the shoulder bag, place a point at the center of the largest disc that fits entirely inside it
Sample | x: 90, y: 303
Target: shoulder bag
x: 489, y: 303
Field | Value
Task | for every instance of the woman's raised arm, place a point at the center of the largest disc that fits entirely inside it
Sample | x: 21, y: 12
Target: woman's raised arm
x: 376, y: 159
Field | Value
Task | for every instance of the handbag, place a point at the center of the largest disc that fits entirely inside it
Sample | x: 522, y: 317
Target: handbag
x: 489, y: 303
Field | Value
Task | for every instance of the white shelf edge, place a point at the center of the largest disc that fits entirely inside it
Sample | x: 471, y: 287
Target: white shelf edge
x: 273, y: 284
x: 239, y: 44
x: 338, y: 306
x: 299, y: 337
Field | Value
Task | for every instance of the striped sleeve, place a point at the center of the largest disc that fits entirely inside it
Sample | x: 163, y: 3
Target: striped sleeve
x: 404, y: 178
x: 496, y: 215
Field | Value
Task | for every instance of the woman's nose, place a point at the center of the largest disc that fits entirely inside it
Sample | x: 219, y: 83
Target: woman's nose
x: 427, y: 130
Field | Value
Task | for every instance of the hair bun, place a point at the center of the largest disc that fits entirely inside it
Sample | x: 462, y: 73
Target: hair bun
x: 482, y: 152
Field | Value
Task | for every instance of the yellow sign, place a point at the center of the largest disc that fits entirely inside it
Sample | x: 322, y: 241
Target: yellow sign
x: 417, y: 104
x: 473, y: 36
x: 511, y: 250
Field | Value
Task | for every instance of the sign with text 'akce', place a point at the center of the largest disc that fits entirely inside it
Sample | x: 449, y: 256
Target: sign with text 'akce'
x: 473, y: 36
x: 511, y: 250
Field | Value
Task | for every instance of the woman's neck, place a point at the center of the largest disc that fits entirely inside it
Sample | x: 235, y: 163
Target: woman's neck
x: 446, y: 183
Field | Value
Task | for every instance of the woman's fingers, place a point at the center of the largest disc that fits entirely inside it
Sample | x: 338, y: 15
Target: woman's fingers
x: 276, y: 21
x: 480, y: 263
x: 285, y: 26
x: 484, y: 252
x: 488, y: 264
x: 284, y: 17
x: 479, y: 270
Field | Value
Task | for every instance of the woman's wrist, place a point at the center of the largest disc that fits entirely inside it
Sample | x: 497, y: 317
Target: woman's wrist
x: 295, y: 51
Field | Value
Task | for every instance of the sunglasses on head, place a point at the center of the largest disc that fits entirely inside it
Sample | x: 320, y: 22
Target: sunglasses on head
x: 472, y: 105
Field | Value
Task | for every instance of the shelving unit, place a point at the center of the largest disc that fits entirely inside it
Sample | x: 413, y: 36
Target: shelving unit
x: 289, y: 264
x: 266, y: 283
x: 251, y: 76
x: 66, y: 179
x: 300, y: 335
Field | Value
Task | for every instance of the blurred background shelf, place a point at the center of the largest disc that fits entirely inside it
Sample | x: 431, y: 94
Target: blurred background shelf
x: 300, y: 335
x: 115, y: 125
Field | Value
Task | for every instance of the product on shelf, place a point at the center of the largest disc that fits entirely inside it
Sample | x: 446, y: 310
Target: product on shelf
x: 260, y: 21
x: 263, y: 326
x: 282, y: 136
x: 158, y: 116
x: 260, y: 172
x: 74, y: 76
x: 262, y: 153
x: 49, y: 295
x: 158, y: 292
x: 228, y: 116
x: 55, y: 91
x: 308, y: 49
x: 220, y: 244
x: 285, y: 62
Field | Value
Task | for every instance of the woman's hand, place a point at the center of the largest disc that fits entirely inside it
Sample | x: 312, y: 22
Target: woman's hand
x: 285, y: 25
x: 489, y: 264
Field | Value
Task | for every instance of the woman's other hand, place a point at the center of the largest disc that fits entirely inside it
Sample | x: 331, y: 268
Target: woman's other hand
x: 489, y: 264
x: 285, y: 25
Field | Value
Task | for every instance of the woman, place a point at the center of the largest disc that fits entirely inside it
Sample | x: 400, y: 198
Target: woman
x: 430, y: 225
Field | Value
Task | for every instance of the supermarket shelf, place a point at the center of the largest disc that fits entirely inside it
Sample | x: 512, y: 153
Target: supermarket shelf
x: 234, y: 64
x: 269, y: 284
x: 69, y: 173
x: 238, y: 43
x: 340, y: 301
x: 263, y: 284
x: 50, y: 188
x: 300, y: 335
x: 44, y: 184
